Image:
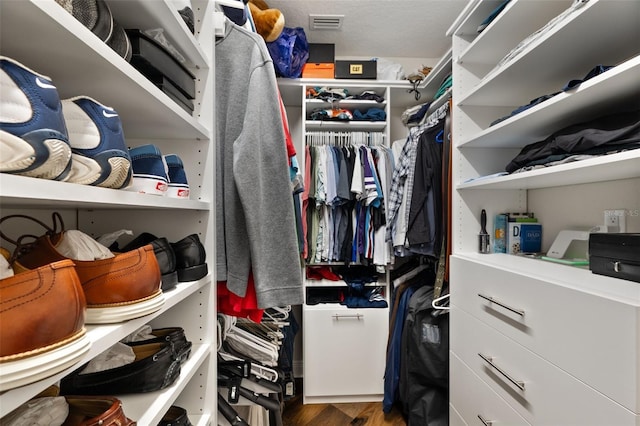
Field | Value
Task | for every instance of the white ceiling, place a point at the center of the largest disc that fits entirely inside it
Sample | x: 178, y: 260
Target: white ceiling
x: 378, y: 28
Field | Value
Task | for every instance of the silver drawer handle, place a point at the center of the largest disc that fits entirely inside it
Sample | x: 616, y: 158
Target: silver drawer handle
x: 356, y: 316
x: 485, y: 422
x: 492, y: 300
x: 489, y: 360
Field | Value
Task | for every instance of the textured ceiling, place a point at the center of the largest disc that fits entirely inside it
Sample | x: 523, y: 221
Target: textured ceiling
x: 378, y: 28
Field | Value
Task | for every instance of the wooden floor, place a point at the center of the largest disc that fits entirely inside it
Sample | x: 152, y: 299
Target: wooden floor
x: 351, y: 414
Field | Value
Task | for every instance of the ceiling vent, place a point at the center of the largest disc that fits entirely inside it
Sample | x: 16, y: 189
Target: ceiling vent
x: 325, y: 22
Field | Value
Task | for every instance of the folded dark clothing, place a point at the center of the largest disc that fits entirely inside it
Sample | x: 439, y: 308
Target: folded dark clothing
x: 368, y: 95
x: 372, y: 114
x: 604, y: 132
x: 357, y: 273
x: 597, y: 70
x: 522, y: 108
x: 363, y: 302
x: 494, y: 13
x: 597, y: 151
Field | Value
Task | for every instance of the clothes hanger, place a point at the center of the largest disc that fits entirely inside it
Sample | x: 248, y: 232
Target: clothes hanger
x: 247, y: 343
x: 434, y: 303
x: 257, y: 369
x: 280, y: 312
x: 410, y: 274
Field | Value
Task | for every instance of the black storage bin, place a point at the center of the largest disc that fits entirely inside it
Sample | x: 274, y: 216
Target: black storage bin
x: 357, y: 69
x: 155, y: 62
x: 615, y: 255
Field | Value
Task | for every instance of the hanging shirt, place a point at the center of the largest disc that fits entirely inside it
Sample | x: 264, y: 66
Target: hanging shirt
x: 252, y: 233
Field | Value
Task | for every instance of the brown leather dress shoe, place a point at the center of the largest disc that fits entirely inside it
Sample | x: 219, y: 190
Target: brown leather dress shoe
x: 42, y: 314
x: 96, y: 411
x: 123, y: 287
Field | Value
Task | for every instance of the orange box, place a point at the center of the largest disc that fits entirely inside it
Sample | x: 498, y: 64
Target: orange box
x: 321, y: 70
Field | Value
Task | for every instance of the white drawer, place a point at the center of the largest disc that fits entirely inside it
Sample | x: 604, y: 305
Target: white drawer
x: 475, y: 402
x: 594, y: 338
x: 344, y: 351
x: 539, y: 391
x: 455, y: 419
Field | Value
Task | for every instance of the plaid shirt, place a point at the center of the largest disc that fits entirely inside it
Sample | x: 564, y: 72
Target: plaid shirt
x: 400, y: 176
x: 404, y: 173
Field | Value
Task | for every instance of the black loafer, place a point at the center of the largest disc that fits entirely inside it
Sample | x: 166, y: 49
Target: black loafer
x: 156, y: 367
x: 164, y: 255
x: 175, y: 416
x: 190, y: 258
x: 172, y: 335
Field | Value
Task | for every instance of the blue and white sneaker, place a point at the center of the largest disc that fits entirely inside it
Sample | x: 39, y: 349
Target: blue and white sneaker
x: 100, y: 156
x: 33, y: 134
x: 149, y: 170
x: 178, y: 185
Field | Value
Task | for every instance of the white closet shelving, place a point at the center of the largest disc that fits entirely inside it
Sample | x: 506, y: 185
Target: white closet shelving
x: 534, y: 342
x: 351, y: 340
x: 358, y: 372
x: 43, y: 36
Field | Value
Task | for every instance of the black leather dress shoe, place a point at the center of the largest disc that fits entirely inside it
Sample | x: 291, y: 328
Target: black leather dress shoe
x: 164, y: 255
x: 175, y: 416
x: 172, y: 335
x: 190, y: 258
x: 156, y: 367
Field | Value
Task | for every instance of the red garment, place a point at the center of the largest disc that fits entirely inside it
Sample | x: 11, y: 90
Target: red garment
x: 321, y: 273
x: 291, y: 150
x: 230, y: 303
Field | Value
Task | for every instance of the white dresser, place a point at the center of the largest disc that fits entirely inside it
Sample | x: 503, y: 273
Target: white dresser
x: 555, y: 351
x: 536, y: 342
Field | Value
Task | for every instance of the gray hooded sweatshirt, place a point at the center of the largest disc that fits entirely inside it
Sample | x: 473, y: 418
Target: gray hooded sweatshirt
x: 255, y: 222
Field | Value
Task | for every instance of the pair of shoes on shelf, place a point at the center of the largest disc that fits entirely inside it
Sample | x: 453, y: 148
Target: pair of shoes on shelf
x: 77, y: 140
x: 116, y: 287
x: 51, y: 295
x: 182, y: 261
x: 157, y: 174
x: 44, y: 309
x: 155, y: 366
x: 175, y: 416
x: 42, y: 318
x: 172, y: 335
x: 145, y: 361
x: 96, y: 16
x: 50, y: 409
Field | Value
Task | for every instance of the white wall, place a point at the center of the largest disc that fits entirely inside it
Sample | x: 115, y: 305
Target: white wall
x: 586, y: 204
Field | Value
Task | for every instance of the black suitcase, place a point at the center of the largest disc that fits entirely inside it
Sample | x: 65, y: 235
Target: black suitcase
x: 615, y: 255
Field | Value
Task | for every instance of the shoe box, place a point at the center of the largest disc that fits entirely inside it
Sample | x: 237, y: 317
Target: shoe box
x: 171, y: 90
x: 320, y: 63
x: 162, y: 69
x: 615, y: 255
x: 355, y: 69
